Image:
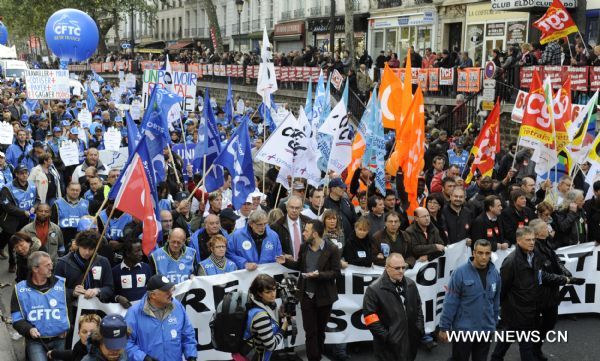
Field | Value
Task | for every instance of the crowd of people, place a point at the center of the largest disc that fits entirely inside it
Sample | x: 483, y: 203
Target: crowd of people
x: 52, y: 216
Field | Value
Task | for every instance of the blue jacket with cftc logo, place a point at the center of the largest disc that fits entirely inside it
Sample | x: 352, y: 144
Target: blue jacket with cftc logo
x: 173, y: 338
x: 241, y: 248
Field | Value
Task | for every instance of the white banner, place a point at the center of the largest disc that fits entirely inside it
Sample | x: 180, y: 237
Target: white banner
x: 183, y: 84
x: 202, y: 294
x: 7, y: 133
x: 69, y: 153
x: 47, y: 84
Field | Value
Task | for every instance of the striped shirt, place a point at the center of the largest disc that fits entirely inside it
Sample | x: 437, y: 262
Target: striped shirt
x: 262, y: 332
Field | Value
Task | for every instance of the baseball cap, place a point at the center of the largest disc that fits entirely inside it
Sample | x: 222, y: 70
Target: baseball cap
x: 159, y: 282
x: 118, y: 119
x: 75, y: 131
x: 24, y: 117
x: 337, y: 182
x: 56, y: 129
x: 38, y: 144
x: 228, y: 213
x: 2, y: 155
x: 78, y: 104
x: 181, y: 196
x: 86, y: 223
x: 20, y: 168
x: 298, y: 185
x: 114, y: 331
x: 66, y: 123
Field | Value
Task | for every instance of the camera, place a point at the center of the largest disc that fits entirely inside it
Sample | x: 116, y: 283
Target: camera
x: 287, y: 290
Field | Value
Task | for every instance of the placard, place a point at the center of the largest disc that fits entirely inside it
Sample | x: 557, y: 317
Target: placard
x: 47, y: 84
x: 85, y: 118
x: 69, y: 153
x: 337, y: 79
x: 95, y: 86
x: 184, y: 85
x: 7, y: 133
x: 112, y: 139
x: 446, y: 76
x: 130, y: 81
x: 135, y: 110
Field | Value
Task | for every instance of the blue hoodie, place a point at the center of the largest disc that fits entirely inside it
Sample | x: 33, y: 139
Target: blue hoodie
x: 241, y: 247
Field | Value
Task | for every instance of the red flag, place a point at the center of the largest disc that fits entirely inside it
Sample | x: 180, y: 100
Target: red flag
x: 536, y: 126
x: 487, y: 145
x: 556, y: 23
x: 135, y: 198
x: 561, y: 106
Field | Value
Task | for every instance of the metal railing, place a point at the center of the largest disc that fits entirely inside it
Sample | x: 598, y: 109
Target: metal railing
x: 186, y: 32
x: 256, y: 25
x: 286, y: 15
x: 299, y: 13
x: 202, y: 32
x: 315, y: 11
x: 385, y: 4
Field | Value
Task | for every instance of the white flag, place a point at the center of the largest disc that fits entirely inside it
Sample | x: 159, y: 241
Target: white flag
x: 339, y: 127
x: 286, y: 143
x: 582, y: 117
x: 267, y: 81
x: 336, y: 119
x: 545, y: 159
x: 307, y: 161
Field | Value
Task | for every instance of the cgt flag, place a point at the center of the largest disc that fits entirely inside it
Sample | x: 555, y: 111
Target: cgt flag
x: 487, y: 145
x: 556, y: 23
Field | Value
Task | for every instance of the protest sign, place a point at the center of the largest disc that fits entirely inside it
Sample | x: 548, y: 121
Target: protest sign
x: 130, y: 80
x: 95, y: 86
x: 85, y: 118
x: 47, y: 84
x: 69, y: 153
x: 182, y: 83
x: 6, y: 133
x: 112, y: 139
x: 135, y: 110
x: 112, y: 159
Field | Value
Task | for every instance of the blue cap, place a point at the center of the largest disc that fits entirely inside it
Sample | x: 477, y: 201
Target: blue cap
x: 20, y: 168
x: 67, y: 115
x: 78, y: 104
x: 56, y: 129
x: 337, y: 182
x: 118, y: 119
x: 75, y: 131
x: 114, y: 332
x: 24, y: 117
x: 66, y: 123
x: 97, y: 116
x: 86, y: 223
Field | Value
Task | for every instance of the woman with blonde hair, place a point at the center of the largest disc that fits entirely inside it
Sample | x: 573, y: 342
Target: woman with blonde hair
x: 570, y: 220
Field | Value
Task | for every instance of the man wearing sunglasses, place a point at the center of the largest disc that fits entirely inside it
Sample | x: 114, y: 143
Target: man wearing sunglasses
x: 392, y: 312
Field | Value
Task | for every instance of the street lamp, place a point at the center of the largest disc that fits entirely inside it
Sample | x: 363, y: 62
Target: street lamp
x: 239, y: 4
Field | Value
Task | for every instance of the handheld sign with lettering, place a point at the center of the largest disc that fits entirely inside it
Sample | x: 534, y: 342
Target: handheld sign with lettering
x: 95, y: 86
x: 85, y: 118
x: 69, y: 153
x: 6, y: 133
x: 47, y: 84
x: 112, y: 139
x: 130, y: 80
x: 135, y: 110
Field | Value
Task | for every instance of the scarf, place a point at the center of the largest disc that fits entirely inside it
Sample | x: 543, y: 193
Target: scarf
x: 82, y: 264
x: 219, y: 262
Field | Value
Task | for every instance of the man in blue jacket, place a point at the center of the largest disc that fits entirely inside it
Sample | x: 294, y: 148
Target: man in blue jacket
x: 160, y: 328
x: 254, y: 244
x: 472, y: 303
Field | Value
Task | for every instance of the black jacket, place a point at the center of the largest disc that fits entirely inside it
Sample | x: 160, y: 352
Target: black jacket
x: 511, y: 220
x: 285, y: 234
x: 67, y: 267
x: 458, y: 223
x: 549, y: 293
x: 328, y: 266
x: 569, y: 227
x: 358, y: 252
x: 422, y: 244
x: 592, y: 211
x: 12, y: 217
x: 484, y: 228
x: 396, y: 329
x: 345, y: 210
x: 398, y: 245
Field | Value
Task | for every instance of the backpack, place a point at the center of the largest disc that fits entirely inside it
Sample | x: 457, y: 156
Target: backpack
x: 229, y: 323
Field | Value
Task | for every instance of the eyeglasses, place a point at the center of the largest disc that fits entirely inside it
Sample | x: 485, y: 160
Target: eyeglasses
x: 220, y: 246
x: 399, y: 268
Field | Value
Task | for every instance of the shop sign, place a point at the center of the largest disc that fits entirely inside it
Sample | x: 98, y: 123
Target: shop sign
x: 289, y: 28
x: 516, y: 32
x: 494, y: 29
x: 527, y: 4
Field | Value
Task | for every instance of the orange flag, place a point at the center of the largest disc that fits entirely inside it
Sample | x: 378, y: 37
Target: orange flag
x: 414, y: 161
x: 390, y: 93
x: 406, y: 89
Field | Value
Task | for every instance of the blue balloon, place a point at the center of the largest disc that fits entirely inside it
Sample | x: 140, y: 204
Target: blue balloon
x: 72, y: 35
x: 3, y: 34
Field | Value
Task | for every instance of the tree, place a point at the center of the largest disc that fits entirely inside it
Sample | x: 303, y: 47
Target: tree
x: 349, y: 29
x: 213, y: 23
x: 106, y: 14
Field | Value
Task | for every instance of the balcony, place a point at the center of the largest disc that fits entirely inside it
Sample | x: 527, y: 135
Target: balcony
x: 356, y: 5
x: 386, y: 4
x: 299, y: 13
x: 286, y: 15
x: 202, y: 32
x: 186, y: 32
x: 194, y: 31
x: 245, y: 27
x: 316, y: 11
x: 256, y: 25
x: 269, y: 24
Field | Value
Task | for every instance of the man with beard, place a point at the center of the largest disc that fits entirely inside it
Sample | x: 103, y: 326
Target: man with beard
x: 486, y: 225
x: 458, y: 218
x: 199, y: 239
x: 483, y: 188
x: 48, y: 234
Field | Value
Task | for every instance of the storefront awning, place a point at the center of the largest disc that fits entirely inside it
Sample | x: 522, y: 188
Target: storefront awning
x: 150, y: 45
x: 149, y: 50
x: 181, y: 44
x: 291, y: 37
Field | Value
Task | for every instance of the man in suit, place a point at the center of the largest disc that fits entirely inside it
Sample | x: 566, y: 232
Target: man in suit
x: 319, y: 262
x: 289, y: 227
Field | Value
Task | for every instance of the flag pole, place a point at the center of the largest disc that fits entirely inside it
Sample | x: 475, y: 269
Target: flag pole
x: 264, y: 141
x: 184, y: 140
x: 173, y: 163
x: 89, y: 266
x: 203, y: 173
x: 325, y: 189
x: 199, y: 183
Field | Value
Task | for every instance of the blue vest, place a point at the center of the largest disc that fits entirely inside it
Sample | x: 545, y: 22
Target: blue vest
x: 88, y: 195
x: 6, y: 175
x: 176, y: 271
x: 70, y: 214
x: 45, y: 311
x: 458, y: 159
x: 248, y: 331
x: 210, y: 268
x: 81, y: 151
x: 24, y: 198
x: 115, y: 226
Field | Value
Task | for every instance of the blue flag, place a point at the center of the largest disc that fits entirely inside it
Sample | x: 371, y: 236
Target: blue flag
x: 90, y: 99
x: 229, y: 103
x: 309, y: 103
x: 237, y: 159
x: 320, y: 101
x: 97, y: 77
x: 31, y: 105
x: 265, y: 112
x: 209, y: 141
x: 133, y: 133
x: 155, y: 127
x: 324, y: 140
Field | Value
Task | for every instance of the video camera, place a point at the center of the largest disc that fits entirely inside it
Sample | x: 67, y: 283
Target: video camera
x: 287, y: 290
